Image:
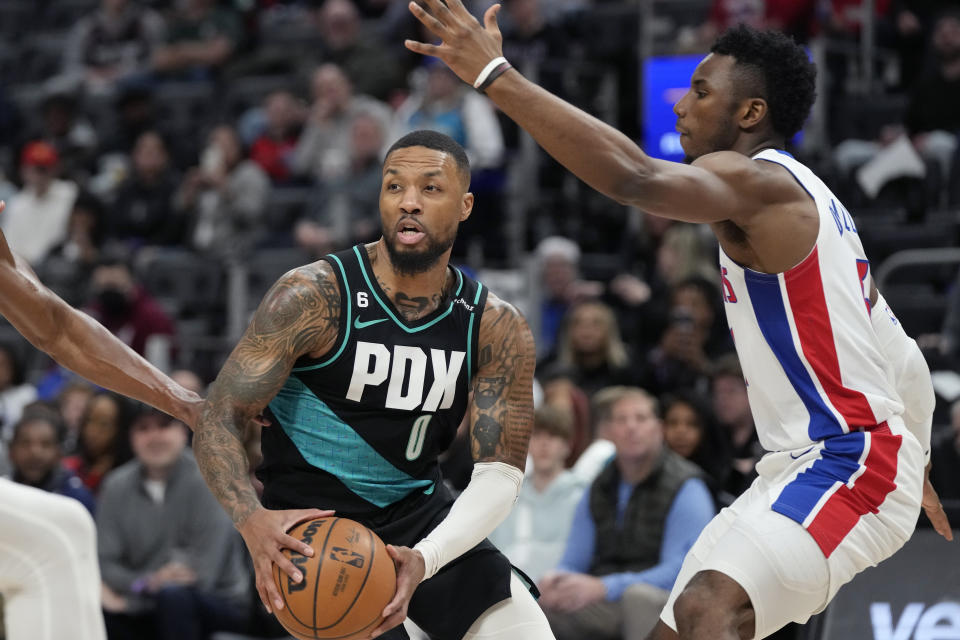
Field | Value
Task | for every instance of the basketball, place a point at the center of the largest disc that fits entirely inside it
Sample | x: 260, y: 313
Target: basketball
x: 345, y: 586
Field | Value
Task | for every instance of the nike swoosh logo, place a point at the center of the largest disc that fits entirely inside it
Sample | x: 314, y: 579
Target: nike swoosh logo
x: 357, y: 324
x: 802, y: 453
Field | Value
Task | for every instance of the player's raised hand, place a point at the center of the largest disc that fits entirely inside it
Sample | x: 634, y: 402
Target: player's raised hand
x: 467, y: 47
x: 265, y: 533
x: 410, y: 571
x: 934, y: 508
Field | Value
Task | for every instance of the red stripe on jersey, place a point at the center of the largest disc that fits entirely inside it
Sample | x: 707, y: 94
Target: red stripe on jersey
x: 812, y: 318
x: 841, y: 512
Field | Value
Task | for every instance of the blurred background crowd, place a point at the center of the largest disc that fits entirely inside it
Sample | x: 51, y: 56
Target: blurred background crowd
x: 164, y: 161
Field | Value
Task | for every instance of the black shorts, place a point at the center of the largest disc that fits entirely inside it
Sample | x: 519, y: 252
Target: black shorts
x: 446, y: 605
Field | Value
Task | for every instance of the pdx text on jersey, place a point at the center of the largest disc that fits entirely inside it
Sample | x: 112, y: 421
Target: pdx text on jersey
x: 406, y: 366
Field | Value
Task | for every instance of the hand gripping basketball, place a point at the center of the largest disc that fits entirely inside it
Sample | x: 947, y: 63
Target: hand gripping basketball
x: 346, y: 583
x: 265, y: 533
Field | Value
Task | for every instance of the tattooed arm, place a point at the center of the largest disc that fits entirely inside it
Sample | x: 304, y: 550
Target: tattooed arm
x: 502, y: 418
x: 298, y: 316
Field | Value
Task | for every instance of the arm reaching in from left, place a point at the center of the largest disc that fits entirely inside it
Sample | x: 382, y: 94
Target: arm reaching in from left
x: 501, y: 418
x: 82, y: 344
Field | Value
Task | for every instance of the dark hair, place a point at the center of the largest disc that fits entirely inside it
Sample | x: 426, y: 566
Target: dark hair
x: 121, y: 444
x: 436, y: 141
x: 40, y: 412
x: 785, y: 77
x: 17, y: 373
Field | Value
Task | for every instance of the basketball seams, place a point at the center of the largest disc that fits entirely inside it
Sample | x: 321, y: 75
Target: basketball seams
x: 298, y: 602
x: 373, y: 550
x: 319, y: 572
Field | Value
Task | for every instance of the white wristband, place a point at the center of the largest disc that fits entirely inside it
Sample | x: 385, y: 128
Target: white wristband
x: 493, y: 64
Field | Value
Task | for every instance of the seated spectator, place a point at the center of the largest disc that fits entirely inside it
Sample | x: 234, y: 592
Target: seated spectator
x: 15, y: 392
x: 601, y: 450
x: 274, y: 148
x: 102, y: 443
x: 682, y: 359
x: 441, y: 102
x: 66, y: 129
x: 945, y: 458
x: 591, y: 348
x: 558, y: 260
x: 36, y: 452
x: 225, y: 198
x: 72, y: 403
x: 67, y: 267
x: 731, y: 406
x: 690, y: 430
x: 143, y: 211
x: 169, y: 558
x: 630, y: 533
x: 325, y: 147
x: 932, y: 121
x: 35, y: 219
x: 534, y: 534
x: 374, y: 69
x: 348, y: 205
x: 112, y: 45
x: 201, y: 38
x: 124, y: 307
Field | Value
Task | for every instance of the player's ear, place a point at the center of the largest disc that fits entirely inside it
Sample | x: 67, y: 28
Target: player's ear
x: 753, y: 111
x: 466, y: 206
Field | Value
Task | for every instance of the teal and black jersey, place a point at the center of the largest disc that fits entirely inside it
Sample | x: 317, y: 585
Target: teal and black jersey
x: 360, y: 428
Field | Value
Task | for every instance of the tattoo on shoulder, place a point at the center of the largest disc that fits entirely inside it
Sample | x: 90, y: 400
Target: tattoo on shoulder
x: 502, y: 413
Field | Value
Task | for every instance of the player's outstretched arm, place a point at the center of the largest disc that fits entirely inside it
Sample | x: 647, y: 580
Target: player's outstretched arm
x: 82, y: 344
x: 298, y: 316
x: 501, y: 418
x: 595, y: 152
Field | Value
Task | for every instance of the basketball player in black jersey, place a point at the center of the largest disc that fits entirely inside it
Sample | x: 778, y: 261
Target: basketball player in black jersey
x: 364, y: 362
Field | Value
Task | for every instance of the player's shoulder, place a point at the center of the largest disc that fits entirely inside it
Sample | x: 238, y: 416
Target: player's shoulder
x: 771, y: 182
x: 316, y: 279
x: 502, y: 321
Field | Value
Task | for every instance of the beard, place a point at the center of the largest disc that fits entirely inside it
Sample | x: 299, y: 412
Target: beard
x: 410, y: 262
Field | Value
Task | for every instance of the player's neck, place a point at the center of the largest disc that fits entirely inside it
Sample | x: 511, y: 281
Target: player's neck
x: 750, y: 145
x: 415, y: 295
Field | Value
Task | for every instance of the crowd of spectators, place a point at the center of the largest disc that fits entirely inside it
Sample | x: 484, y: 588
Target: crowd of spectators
x: 157, y: 134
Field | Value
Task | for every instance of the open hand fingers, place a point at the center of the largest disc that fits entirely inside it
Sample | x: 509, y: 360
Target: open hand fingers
x: 429, y: 20
x: 422, y: 48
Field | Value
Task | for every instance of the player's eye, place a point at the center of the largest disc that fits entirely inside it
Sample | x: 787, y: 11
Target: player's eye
x: 432, y: 188
x: 701, y: 94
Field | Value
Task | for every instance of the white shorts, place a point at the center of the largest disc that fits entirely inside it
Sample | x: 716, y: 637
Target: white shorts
x: 49, y: 573
x: 791, y: 571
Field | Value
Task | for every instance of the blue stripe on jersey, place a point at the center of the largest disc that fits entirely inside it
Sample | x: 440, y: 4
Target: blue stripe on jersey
x: 839, y: 460
x: 373, y: 292
x: 771, y: 314
x: 327, y: 442
x: 346, y: 336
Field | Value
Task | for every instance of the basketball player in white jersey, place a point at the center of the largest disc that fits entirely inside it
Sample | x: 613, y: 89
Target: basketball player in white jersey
x: 841, y: 396
x: 49, y: 574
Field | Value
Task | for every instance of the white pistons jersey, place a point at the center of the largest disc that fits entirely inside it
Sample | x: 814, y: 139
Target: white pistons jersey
x: 816, y: 378
x: 808, y: 350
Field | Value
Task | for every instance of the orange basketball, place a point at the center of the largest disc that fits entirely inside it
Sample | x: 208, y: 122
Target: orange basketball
x: 345, y: 586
